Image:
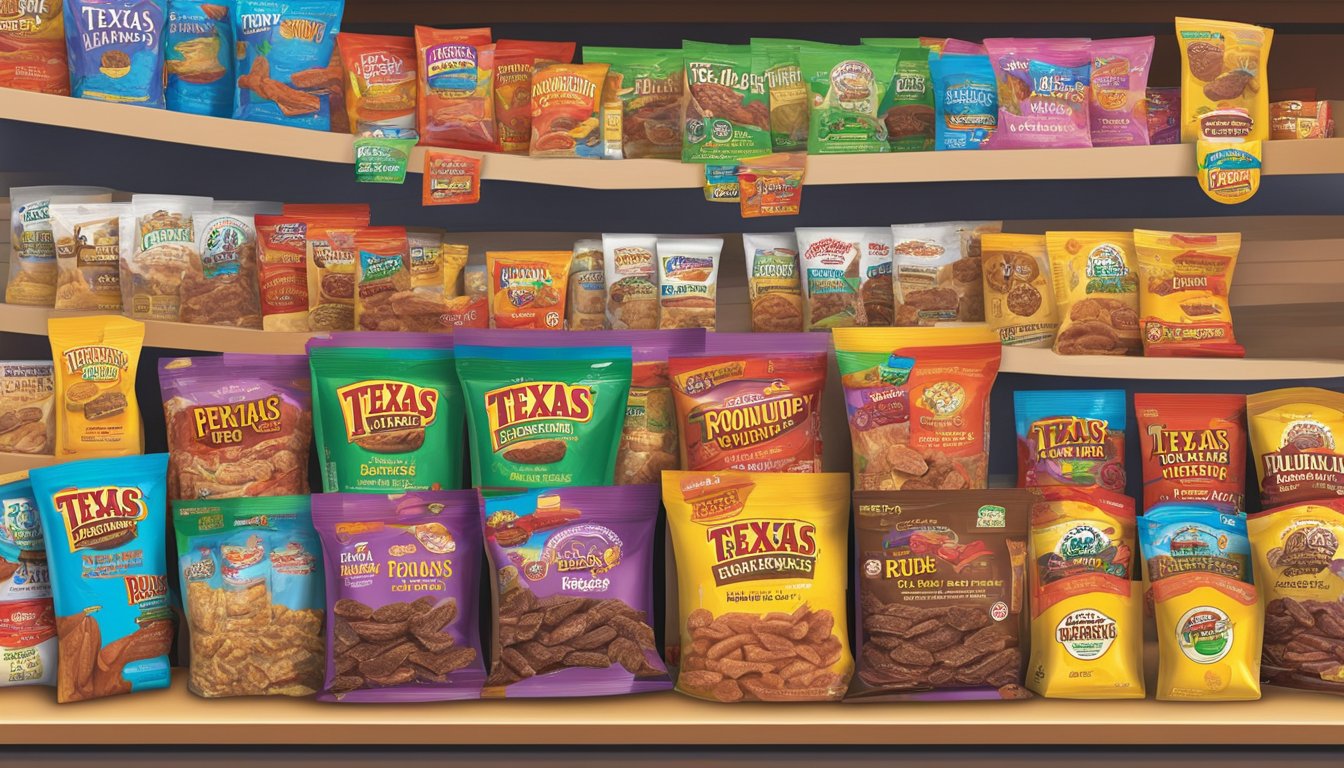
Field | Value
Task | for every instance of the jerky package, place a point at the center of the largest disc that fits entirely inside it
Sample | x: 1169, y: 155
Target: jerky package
x: 941, y: 592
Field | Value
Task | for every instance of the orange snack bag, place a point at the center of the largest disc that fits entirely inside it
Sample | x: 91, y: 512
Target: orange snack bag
x: 1183, y: 288
x: 382, y: 279
x: 380, y: 82
x: 32, y: 47
x: 528, y: 288
x: 771, y: 185
x: 456, y: 69
x: 450, y: 179
x: 566, y: 107
x: 330, y: 255
x: 514, y: 60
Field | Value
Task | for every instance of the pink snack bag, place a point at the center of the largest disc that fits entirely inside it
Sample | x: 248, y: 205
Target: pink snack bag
x: 1043, y: 92
x: 1118, y: 111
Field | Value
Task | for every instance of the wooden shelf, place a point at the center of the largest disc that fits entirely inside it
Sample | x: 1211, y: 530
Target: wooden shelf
x: 22, y: 462
x: 1281, y: 158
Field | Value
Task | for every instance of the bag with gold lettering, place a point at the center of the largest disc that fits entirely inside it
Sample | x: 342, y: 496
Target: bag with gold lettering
x: 96, y: 359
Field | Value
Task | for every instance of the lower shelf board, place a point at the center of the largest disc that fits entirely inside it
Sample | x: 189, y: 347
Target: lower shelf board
x: 30, y: 716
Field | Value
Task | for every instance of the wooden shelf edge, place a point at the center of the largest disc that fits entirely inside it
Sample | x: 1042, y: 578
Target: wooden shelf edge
x: 22, y: 462
x: 1281, y: 158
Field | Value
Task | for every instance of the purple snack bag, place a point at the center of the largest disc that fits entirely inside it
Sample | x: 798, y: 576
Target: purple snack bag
x: 1164, y: 113
x: 1043, y: 92
x: 403, y: 572
x: 1119, y: 111
x: 573, y: 592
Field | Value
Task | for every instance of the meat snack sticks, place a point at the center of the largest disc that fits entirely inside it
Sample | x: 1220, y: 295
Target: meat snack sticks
x: 105, y: 521
x: 1297, y: 438
x: 402, y: 578
x: 95, y: 359
x: 287, y: 71
x: 1193, y: 449
x: 761, y: 579
x: 251, y: 571
x: 941, y: 591
x: 27, y: 617
x: 1086, y: 611
x: 1071, y: 437
x: 1184, y: 282
x: 573, y: 592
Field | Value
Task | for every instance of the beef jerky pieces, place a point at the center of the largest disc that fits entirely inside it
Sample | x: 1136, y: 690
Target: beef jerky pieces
x: 761, y: 561
x: 285, y: 61
x: 573, y: 592
x: 1071, y: 437
x: 238, y: 425
x: 726, y: 112
x: 388, y: 412
x: 220, y: 284
x: 456, y: 102
x: 163, y: 247
x: 95, y: 363
x: 829, y: 259
x: 105, y: 520
x: 251, y: 572
x: 1096, y: 288
x: 942, y: 591
x: 402, y: 578
x: 27, y: 407
x: 1193, y: 448
x: 646, y: 86
x: 1184, y: 282
x: 1297, y: 438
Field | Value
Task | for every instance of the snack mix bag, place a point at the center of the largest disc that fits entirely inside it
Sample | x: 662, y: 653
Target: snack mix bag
x: 28, y: 646
x: 966, y: 100
x: 1297, y: 438
x: 251, y: 572
x: 907, y: 108
x: 380, y: 83
x: 220, y: 283
x: 726, y: 112
x: 774, y: 287
x: 403, y: 573
x: 162, y: 248
x: 288, y: 71
x: 566, y: 110
x: 514, y: 60
x: 829, y: 259
x: 941, y: 593
x: 88, y: 253
x: 105, y: 521
x: 761, y: 561
x: 688, y: 277
x: 777, y: 61
x: 939, y: 270
x: 1096, y: 289
x: 1044, y: 90
x: 1224, y: 88
x: 115, y: 50
x: 1184, y: 282
x: 1019, y: 300
x: 585, y: 629
x: 32, y: 48
x: 847, y: 84
x: 28, y: 406
x: 1193, y: 448
x: 647, y: 85
x: 96, y: 359
x: 1071, y: 438
x: 529, y: 288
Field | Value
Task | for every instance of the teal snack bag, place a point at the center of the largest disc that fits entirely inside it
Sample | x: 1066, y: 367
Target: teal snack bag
x: 198, y: 57
x: 847, y: 83
x: 907, y: 108
x: 387, y: 412
x: 726, y: 114
x: 285, y: 74
x: 966, y: 100
x: 104, y: 522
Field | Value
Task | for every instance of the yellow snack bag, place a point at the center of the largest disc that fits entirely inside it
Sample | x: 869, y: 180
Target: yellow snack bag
x: 761, y: 573
x: 96, y: 359
x: 1224, y: 93
x: 1183, y: 296
x: 1019, y: 301
x: 1097, y: 292
x: 1086, y: 612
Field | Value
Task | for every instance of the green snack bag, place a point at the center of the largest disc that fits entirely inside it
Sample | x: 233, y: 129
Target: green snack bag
x: 387, y: 412
x: 777, y: 60
x: 727, y: 113
x: 380, y: 160
x: 847, y: 83
x: 544, y: 416
x: 907, y: 108
x: 648, y: 83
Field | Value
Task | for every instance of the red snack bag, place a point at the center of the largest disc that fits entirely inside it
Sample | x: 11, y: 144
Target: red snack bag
x: 282, y: 272
x: 450, y: 179
x: 1071, y: 437
x: 513, y: 87
x: 1193, y: 448
x: 380, y: 84
x: 457, y: 101
x: 32, y: 47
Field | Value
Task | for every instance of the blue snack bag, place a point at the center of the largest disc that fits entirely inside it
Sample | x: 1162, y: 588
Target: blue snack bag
x: 285, y: 72
x: 22, y: 555
x: 104, y: 521
x: 115, y: 50
x: 198, y: 57
x: 1179, y: 538
x: 965, y: 100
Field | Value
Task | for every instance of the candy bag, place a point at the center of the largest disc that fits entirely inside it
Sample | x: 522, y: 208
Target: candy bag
x: 1044, y: 89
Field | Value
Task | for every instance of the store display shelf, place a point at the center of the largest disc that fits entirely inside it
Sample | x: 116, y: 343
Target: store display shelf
x: 22, y: 462
x: 1281, y: 158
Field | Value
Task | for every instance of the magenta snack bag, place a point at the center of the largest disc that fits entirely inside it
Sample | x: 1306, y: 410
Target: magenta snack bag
x: 1118, y: 110
x: 573, y: 592
x: 1164, y: 115
x: 1043, y: 92
x: 402, y: 577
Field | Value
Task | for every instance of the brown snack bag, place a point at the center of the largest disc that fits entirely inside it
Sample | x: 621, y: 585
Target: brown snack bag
x: 163, y: 247
x: 383, y: 292
x: 220, y: 285
x: 774, y: 287
x: 330, y: 257
x: 88, y: 254
x: 27, y: 402
x: 282, y: 273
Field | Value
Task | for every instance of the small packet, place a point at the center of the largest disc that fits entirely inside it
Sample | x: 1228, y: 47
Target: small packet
x: 829, y: 259
x: 587, y: 307
x: 32, y: 249
x: 27, y: 407
x: 383, y: 293
x: 771, y: 185
x: 220, y: 284
x: 96, y: 359
x: 1096, y: 287
x: 1193, y: 448
x: 1019, y: 302
x: 24, y: 579
x: 632, y: 281
x: 907, y: 108
x: 115, y: 50
x: 163, y: 248
x: 1228, y: 174
x: 514, y: 60
x: 721, y: 185
x: 777, y: 60
x: 450, y: 179
x: 288, y: 67
x: 330, y: 257
x: 566, y: 107
x: 381, y: 160
x: 198, y: 57
x: 529, y: 288
x: 1183, y: 298
x: 645, y: 85
x: 380, y: 83
x: 1117, y: 110
x: 475, y: 279
x: 1295, y: 119
x: 966, y: 100
x: 88, y: 255
x: 847, y: 84
x: 282, y: 272
x: 402, y: 574
x: 28, y: 643
x: 688, y: 277
x: 876, y: 287
x: 1224, y: 80
x: 1071, y: 438
x: 726, y: 112
x: 1295, y: 439
x: 456, y: 102
x: 34, y: 37
x: 1164, y: 115
x: 774, y: 287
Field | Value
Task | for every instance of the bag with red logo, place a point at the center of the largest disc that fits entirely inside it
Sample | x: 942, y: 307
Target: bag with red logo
x: 105, y: 521
x: 1193, y: 448
x: 387, y: 412
x: 1074, y: 438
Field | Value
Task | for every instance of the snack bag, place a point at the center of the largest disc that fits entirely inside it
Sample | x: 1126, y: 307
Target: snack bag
x: 726, y: 112
x: 918, y: 405
x: 941, y: 591
x: 1193, y: 448
x: 288, y: 69
x: 1295, y: 549
x: 529, y: 288
x: 382, y: 278
x: 1183, y: 293
x: 1209, y: 620
x: 163, y: 246
x: 1071, y: 437
x: 220, y: 284
x: 566, y: 107
x: 688, y: 277
x: 778, y: 62
x: 330, y: 256
x: 586, y: 308
x: 771, y: 185
x: 847, y: 84
x: 876, y: 287
x: 1086, y: 609
x: 388, y: 412
x: 753, y: 405
x: 907, y: 108
x: 773, y: 285
x: 830, y: 263
x: 32, y: 48
x: 1164, y: 115
x: 282, y: 272
x: 966, y: 100
x: 544, y: 416
x: 1297, y: 436
x: 251, y: 575
x: 238, y: 425
x: 27, y: 619
x: 646, y: 86
x: 380, y: 83
x: 104, y: 522
x: 27, y: 407
x: 88, y: 255
x: 585, y: 629
x: 403, y: 572
x: 514, y: 60
x: 32, y: 247
x: 939, y: 271
x: 1224, y: 81
x: 632, y: 281
x: 1118, y: 107
x: 28, y: 643
x: 1044, y: 90
x: 457, y: 94
x: 761, y: 561
x: 96, y: 358
x: 198, y: 57
x: 115, y: 50
x: 1297, y: 119
x: 1096, y: 289
x: 1019, y: 302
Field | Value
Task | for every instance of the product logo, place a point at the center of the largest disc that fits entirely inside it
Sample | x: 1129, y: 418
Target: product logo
x: 712, y: 499
x: 144, y: 588
x: 309, y: 30
x: 1083, y: 542
x: 1106, y: 260
x: 991, y: 516
x: 1204, y: 634
x: 200, y: 570
x: 1086, y: 634
x: 943, y: 398
x: 852, y: 81
x: 242, y: 564
x: 660, y: 86
x: 753, y: 418
x: 36, y: 213
x: 386, y: 405
x: 1177, y: 450
x: 107, y: 26
x: 632, y: 260
x: 1309, y: 548
x: 565, y: 83
x: 165, y: 236
x: 357, y: 561
x: 1069, y: 437
x: 253, y: 23
x: 688, y: 267
x: 292, y: 559
x: 100, y: 518
x: 96, y: 362
x: 753, y: 550
x: 1307, y: 436
x: 908, y: 83
x: 972, y: 93
x: 831, y: 251
x: 381, y: 66
x: 517, y: 411
x: 379, y: 266
x: 230, y: 423
x: 595, y: 549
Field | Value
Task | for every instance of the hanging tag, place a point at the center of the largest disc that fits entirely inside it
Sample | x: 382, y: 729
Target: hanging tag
x: 1229, y: 173
x: 771, y: 185
x: 721, y: 183
x: 451, y: 179
x: 382, y: 160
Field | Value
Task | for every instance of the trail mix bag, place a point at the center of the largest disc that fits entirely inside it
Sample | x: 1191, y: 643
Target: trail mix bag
x: 1071, y: 438
x: 688, y: 279
x: 847, y: 84
x: 529, y: 287
x: 1224, y: 80
x: 790, y: 102
x: 566, y: 109
x: 220, y: 284
x: 28, y: 407
x: 383, y: 293
x: 1193, y: 448
x: 907, y: 108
